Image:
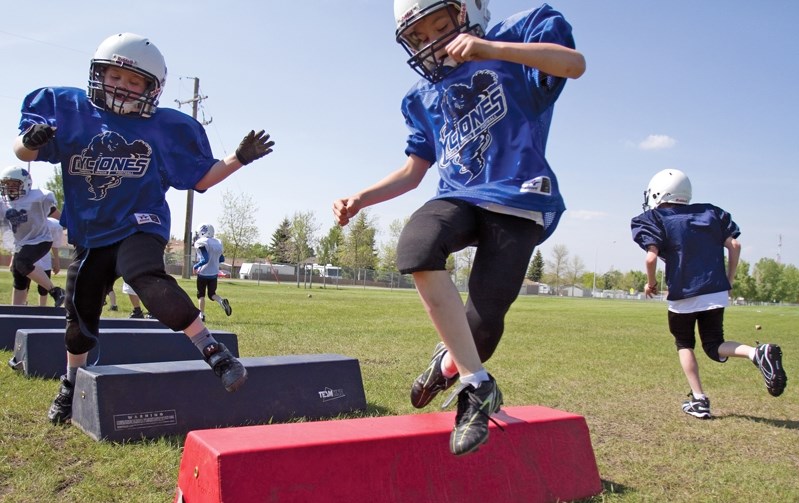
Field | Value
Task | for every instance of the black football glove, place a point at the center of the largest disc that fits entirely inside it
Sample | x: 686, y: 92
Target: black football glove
x: 254, y: 146
x: 37, y: 136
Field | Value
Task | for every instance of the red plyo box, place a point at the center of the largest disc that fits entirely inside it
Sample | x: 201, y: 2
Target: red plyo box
x: 541, y: 455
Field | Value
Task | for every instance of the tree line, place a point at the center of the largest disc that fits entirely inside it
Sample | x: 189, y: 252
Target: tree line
x: 765, y: 281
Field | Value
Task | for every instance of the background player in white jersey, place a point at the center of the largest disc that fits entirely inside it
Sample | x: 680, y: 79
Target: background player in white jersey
x: 209, y: 256
x: 691, y: 239
x: 23, y: 212
x: 481, y: 113
x: 119, y: 154
x: 51, y: 262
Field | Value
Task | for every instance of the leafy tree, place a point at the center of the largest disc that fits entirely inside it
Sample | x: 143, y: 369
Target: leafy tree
x: 535, y: 272
x: 558, y: 266
x: 257, y: 251
x: 388, y: 250
x: 358, y: 251
x: 303, y: 230
x: 634, y: 280
x: 612, y: 280
x: 328, y: 249
x: 574, y: 269
x: 237, y: 227
x: 464, y: 260
x: 788, y: 286
x: 767, y: 278
x: 56, y: 186
x: 743, y: 284
x: 280, y: 247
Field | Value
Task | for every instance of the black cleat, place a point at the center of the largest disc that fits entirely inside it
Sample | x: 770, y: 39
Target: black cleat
x: 59, y: 295
x: 61, y: 408
x: 475, y: 406
x: 225, y: 365
x: 226, y: 307
x: 768, y: 358
x: 697, y: 407
x: 431, y: 382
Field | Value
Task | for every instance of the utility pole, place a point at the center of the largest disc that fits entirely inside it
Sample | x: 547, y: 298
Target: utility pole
x: 187, y: 234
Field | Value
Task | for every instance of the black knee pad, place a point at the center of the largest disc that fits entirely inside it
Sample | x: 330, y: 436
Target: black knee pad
x: 711, y: 349
x: 76, y: 341
x: 487, y: 325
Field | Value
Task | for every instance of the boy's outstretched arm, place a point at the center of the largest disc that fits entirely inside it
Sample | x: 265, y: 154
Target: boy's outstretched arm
x: 397, y: 183
x: 552, y: 59
x: 26, y: 146
x: 651, y: 287
x: 252, y: 147
x: 733, y: 255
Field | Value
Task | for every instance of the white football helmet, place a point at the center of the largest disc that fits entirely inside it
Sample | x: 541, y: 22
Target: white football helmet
x: 205, y: 231
x: 470, y: 16
x: 137, y: 54
x: 15, y: 182
x: 668, y: 186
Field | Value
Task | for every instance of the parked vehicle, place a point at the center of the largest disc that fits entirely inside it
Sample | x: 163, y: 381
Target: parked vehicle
x: 252, y: 270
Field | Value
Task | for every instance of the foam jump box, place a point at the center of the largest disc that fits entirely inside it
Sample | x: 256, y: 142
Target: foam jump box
x: 33, y: 310
x: 149, y: 400
x: 10, y: 323
x: 543, y: 455
x: 40, y: 352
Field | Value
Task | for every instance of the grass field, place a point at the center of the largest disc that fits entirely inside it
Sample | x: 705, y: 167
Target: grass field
x: 611, y: 361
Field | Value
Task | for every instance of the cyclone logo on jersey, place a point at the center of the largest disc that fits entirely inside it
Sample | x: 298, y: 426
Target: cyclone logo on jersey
x: 16, y: 218
x: 107, y: 160
x: 469, y: 112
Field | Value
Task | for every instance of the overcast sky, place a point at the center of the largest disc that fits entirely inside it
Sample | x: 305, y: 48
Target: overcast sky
x: 706, y: 87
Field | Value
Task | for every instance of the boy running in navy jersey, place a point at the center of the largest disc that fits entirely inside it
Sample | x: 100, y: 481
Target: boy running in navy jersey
x: 691, y: 239
x: 481, y: 113
x: 119, y: 154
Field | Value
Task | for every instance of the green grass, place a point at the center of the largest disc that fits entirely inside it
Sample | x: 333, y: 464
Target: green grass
x: 611, y: 361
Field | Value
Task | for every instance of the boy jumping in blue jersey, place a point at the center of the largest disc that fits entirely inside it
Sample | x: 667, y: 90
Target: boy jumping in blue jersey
x: 119, y: 154
x: 481, y: 113
x: 690, y: 239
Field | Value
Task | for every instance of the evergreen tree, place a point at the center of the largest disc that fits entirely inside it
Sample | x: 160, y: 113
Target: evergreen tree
x: 280, y: 248
x: 536, y: 269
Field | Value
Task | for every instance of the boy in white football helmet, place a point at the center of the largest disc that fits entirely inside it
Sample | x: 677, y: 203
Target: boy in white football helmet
x: 691, y: 239
x: 119, y: 155
x: 209, y: 256
x: 24, y: 212
x: 481, y: 113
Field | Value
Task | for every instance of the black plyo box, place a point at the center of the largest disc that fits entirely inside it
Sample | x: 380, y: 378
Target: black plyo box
x: 41, y: 352
x: 33, y: 310
x: 149, y: 400
x: 10, y: 323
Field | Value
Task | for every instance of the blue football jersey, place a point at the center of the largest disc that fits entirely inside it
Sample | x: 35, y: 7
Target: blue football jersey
x: 690, y: 240
x: 486, y: 124
x: 116, y: 169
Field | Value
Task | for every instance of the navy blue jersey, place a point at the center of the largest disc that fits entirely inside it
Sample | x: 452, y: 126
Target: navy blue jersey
x: 116, y: 169
x: 690, y: 240
x: 486, y: 124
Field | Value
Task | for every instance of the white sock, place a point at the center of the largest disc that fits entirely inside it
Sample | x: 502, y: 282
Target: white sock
x: 699, y: 397
x: 752, y: 353
x: 476, y: 379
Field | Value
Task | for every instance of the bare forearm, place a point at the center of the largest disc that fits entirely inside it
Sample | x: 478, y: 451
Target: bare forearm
x: 218, y: 172
x: 22, y: 153
x: 552, y: 59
